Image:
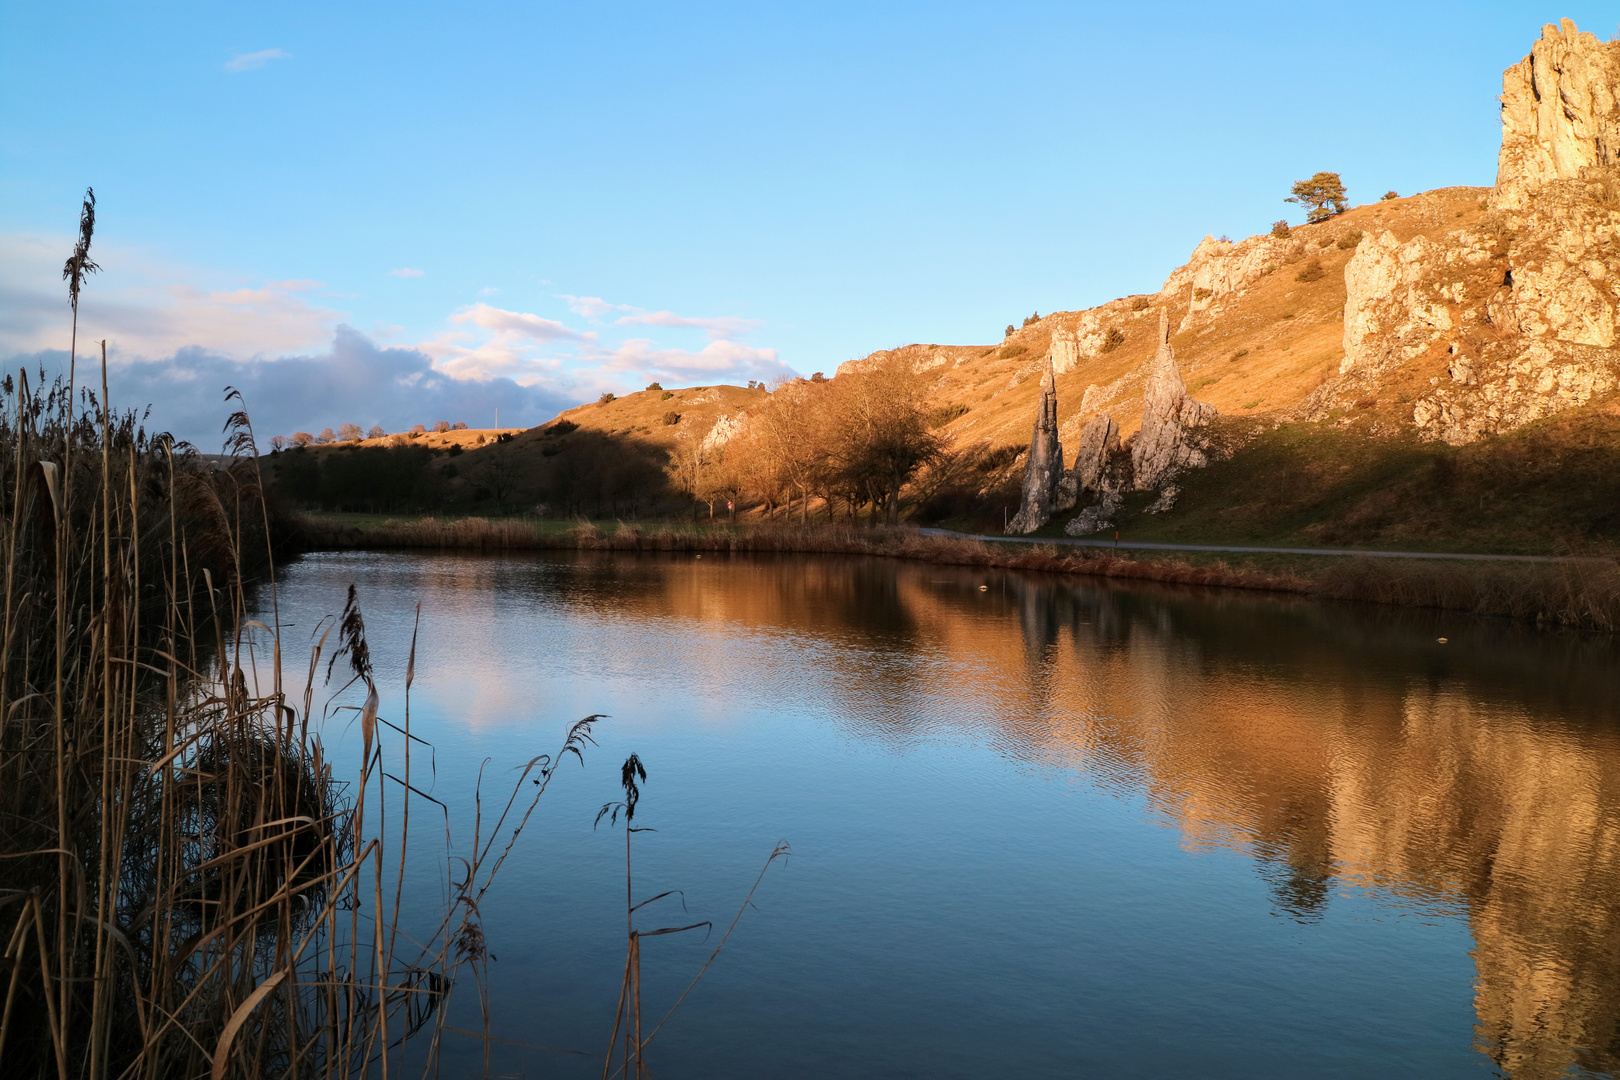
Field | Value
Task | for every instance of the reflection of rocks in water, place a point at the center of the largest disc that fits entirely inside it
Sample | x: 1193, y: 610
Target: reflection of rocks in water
x: 1340, y: 746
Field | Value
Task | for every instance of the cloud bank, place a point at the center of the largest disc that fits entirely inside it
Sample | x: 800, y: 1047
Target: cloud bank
x: 355, y: 380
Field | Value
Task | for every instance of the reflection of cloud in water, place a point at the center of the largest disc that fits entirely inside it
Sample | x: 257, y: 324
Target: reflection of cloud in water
x: 1336, y: 745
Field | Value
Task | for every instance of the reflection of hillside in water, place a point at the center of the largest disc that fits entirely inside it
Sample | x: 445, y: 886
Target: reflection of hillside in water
x: 1336, y: 744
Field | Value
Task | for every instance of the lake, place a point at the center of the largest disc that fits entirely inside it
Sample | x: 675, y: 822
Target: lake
x: 1040, y: 826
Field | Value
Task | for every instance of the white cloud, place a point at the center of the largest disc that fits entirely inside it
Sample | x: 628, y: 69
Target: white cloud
x: 146, y: 309
x: 722, y: 359
x: 488, y: 290
x: 254, y: 60
x: 591, y: 306
x: 723, y: 327
x: 406, y: 271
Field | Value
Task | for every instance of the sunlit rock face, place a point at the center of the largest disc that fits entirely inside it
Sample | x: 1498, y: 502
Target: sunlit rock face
x: 1521, y: 309
x: 1560, y: 116
x: 1169, y: 439
x: 1043, y: 469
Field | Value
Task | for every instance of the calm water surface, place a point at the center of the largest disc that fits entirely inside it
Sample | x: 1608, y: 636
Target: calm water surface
x: 1040, y: 827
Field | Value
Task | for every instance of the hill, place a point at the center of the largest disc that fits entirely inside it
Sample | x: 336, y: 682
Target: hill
x: 1438, y: 370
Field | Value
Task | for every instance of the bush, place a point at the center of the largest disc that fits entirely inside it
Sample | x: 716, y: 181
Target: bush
x: 1240, y: 354
x: 562, y: 427
x: 1010, y: 351
x: 818, y: 377
x: 1141, y: 303
x: 946, y: 413
x: 1115, y: 338
x: 671, y: 418
x: 1010, y: 329
x: 607, y: 397
x: 1386, y: 196
x: 1350, y: 239
x: 657, y: 386
x: 665, y: 396
x: 1326, y: 241
x: 1203, y: 294
x: 1313, y: 271
x: 1280, y: 229
x: 1034, y: 318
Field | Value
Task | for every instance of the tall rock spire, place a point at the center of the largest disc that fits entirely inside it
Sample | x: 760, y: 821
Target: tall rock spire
x: 1168, y: 441
x: 1043, y: 469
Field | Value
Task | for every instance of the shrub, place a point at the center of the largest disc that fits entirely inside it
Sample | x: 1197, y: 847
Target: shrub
x: 1010, y: 329
x: 1326, y: 241
x: 442, y: 426
x: 562, y: 427
x: 1240, y: 354
x: 671, y: 418
x: 455, y: 450
x: 1350, y: 239
x: 607, y: 397
x: 1386, y: 196
x: 1313, y: 271
x: 376, y: 432
x: 665, y: 396
x: 1203, y: 294
x: 1010, y: 351
x: 1280, y: 229
x: 946, y: 413
x: 459, y: 425
x: 1484, y: 204
x: 658, y: 386
x: 1034, y: 318
x: 1141, y: 303
x: 818, y: 377
x: 1322, y: 196
x: 1115, y: 338
x: 1269, y: 268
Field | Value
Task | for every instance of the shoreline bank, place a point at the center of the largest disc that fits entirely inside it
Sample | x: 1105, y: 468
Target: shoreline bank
x: 1576, y: 593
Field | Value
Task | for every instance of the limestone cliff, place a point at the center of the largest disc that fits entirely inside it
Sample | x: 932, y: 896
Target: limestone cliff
x: 1522, y: 305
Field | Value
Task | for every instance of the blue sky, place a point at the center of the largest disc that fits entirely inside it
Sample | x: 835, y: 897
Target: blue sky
x: 436, y: 210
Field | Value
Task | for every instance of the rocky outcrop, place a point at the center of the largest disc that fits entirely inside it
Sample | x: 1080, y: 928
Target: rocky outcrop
x: 1560, y: 116
x: 1064, y: 353
x: 1393, y: 309
x: 1170, y: 438
x: 1043, y: 468
x: 1094, y: 462
x: 1521, y: 312
x: 1220, y: 269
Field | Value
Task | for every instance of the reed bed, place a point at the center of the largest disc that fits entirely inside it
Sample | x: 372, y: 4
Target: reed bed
x: 190, y: 886
x: 1578, y: 593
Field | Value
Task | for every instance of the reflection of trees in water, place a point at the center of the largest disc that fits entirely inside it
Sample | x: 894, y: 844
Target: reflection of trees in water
x: 1333, y: 743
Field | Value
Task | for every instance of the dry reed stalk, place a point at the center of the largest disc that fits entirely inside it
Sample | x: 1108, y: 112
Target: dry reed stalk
x: 188, y: 887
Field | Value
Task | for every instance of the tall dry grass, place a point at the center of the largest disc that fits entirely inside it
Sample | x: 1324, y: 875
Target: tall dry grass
x: 189, y: 884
